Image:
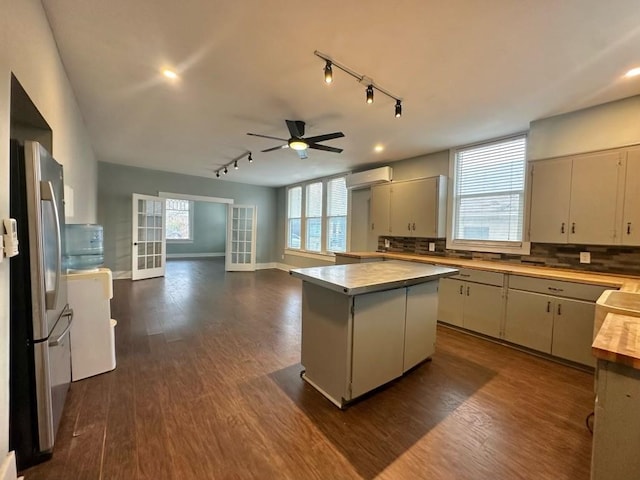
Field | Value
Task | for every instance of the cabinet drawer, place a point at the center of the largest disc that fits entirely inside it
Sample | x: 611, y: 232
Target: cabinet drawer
x: 558, y: 288
x: 480, y: 276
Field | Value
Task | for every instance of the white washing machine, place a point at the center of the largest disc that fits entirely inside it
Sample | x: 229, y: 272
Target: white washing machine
x: 92, y: 331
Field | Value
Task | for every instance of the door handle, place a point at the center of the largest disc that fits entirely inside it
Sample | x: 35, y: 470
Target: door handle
x: 414, y: 226
x: 69, y: 314
x: 573, y: 227
x: 562, y: 228
x: 628, y: 228
x: 409, y: 226
x: 460, y: 289
x: 548, y: 307
x: 559, y: 309
x: 468, y: 288
x: 47, y: 195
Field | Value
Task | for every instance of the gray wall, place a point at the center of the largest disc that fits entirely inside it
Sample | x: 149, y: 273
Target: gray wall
x: 117, y: 183
x: 209, y: 230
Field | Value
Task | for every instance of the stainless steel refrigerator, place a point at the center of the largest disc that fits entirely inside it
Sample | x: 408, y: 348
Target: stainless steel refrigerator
x: 40, y: 358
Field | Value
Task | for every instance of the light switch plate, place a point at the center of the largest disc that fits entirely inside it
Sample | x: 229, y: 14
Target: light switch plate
x: 432, y: 246
x: 585, y: 257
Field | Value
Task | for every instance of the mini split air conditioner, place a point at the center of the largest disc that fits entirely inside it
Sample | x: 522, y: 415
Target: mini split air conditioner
x: 369, y: 177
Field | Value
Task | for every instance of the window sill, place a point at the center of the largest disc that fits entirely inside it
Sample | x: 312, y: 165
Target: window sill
x: 179, y: 241
x: 329, y: 257
x: 523, y: 248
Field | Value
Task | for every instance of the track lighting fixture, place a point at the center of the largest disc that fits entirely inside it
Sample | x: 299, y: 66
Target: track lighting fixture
x: 370, y: 94
x: 328, y: 72
x: 235, y: 164
x: 328, y: 78
x: 250, y: 158
x: 225, y: 168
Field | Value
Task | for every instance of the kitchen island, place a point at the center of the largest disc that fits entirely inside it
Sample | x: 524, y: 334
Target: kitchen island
x: 364, y: 325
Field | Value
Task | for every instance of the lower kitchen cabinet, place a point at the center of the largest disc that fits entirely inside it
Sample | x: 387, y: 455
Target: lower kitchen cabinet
x: 474, y: 306
x: 562, y: 327
x: 420, y: 335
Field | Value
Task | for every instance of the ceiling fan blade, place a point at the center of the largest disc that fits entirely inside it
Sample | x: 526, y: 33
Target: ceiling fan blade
x: 325, y: 148
x: 302, y: 154
x: 326, y: 136
x: 275, y: 148
x: 267, y: 136
x: 296, y: 128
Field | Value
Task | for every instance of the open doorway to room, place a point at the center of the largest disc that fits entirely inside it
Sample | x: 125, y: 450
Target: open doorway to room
x: 196, y: 226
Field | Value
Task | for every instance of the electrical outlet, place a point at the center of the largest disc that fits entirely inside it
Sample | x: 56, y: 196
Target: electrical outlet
x: 387, y: 243
x: 282, y: 256
x: 585, y: 257
x: 432, y: 246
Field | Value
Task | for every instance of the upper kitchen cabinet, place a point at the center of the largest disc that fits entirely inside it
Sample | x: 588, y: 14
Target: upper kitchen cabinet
x: 575, y: 199
x: 380, y: 209
x: 631, y: 207
x: 418, y: 207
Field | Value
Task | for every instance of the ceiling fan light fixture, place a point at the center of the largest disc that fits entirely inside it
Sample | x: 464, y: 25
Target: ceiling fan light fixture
x: 328, y: 72
x: 398, y: 108
x: 370, y: 94
x: 298, y: 144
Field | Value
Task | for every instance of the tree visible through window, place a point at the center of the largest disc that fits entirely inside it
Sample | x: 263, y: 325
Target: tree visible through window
x: 179, y: 219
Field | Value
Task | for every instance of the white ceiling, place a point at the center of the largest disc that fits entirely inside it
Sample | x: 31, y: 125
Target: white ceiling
x: 466, y: 71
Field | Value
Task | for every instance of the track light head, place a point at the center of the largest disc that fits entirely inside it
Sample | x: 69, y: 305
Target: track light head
x: 250, y: 158
x: 225, y: 170
x: 370, y: 94
x: 235, y: 164
x: 218, y: 174
x: 328, y: 72
x: 398, y: 108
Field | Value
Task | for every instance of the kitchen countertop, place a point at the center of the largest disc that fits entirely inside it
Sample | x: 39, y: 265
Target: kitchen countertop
x: 618, y: 340
x: 358, y: 278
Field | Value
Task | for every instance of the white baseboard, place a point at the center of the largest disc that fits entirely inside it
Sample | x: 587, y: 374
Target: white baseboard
x: 195, y: 255
x: 8, y: 468
x: 121, y: 274
x: 283, y: 266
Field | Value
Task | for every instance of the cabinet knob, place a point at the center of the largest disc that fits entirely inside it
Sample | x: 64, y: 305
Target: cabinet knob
x: 562, y: 228
x: 559, y: 309
x: 468, y: 288
x: 460, y: 289
x: 372, y: 226
x: 573, y: 227
x: 628, y: 228
x: 414, y: 226
x: 409, y: 226
x: 548, y: 307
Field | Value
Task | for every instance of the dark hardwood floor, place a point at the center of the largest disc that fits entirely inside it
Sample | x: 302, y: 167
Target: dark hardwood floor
x: 208, y: 387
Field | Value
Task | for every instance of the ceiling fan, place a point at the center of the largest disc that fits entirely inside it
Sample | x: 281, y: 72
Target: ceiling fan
x: 300, y: 144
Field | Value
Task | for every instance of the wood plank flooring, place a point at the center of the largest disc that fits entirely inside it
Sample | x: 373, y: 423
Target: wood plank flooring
x: 208, y: 387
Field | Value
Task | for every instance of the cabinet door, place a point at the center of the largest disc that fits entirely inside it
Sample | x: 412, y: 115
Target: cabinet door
x: 420, y: 323
x: 483, y: 308
x: 573, y: 331
x: 424, y: 207
x: 378, y: 339
x: 450, y: 301
x: 401, y: 209
x: 594, y: 187
x: 529, y: 320
x: 550, y: 197
x: 379, y: 209
x: 630, y: 232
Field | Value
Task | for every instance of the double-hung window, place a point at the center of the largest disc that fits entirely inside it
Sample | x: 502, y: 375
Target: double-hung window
x: 488, y: 201
x: 179, y: 220
x: 317, y: 216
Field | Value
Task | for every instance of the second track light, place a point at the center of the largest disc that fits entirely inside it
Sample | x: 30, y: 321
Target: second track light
x: 398, y: 108
x: 328, y: 72
x: 370, y: 94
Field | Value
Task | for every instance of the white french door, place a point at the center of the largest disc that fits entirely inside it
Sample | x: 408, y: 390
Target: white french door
x: 241, y: 238
x: 148, y: 237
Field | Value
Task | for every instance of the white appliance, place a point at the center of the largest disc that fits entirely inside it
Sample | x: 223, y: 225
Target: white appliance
x: 369, y: 177
x: 92, y: 333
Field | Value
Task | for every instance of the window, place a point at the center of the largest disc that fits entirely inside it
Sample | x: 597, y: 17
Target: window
x: 337, y: 215
x: 317, y: 216
x: 179, y: 220
x: 488, y: 196
x: 294, y: 214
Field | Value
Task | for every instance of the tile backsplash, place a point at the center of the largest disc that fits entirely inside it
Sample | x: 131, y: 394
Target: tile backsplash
x: 606, y: 259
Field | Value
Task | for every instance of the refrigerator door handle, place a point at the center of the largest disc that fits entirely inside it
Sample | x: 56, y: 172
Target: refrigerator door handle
x: 47, y: 194
x: 68, y: 312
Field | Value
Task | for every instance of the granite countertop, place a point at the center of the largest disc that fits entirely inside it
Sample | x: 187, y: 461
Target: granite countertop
x: 358, y: 278
x: 618, y: 340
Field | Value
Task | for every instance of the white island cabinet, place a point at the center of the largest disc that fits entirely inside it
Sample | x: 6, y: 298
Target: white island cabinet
x: 366, y: 324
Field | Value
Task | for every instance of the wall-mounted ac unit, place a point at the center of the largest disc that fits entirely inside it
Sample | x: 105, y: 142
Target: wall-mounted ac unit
x: 369, y: 177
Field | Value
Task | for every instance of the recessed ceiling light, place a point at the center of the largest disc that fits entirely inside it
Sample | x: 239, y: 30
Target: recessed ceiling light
x: 170, y: 74
x: 378, y: 148
x: 633, y: 72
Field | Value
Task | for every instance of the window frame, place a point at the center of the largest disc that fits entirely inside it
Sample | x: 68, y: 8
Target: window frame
x: 324, y: 218
x: 191, y: 204
x: 522, y: 247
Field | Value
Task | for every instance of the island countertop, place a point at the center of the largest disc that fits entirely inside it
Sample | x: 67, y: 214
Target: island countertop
x: 358, y: 278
